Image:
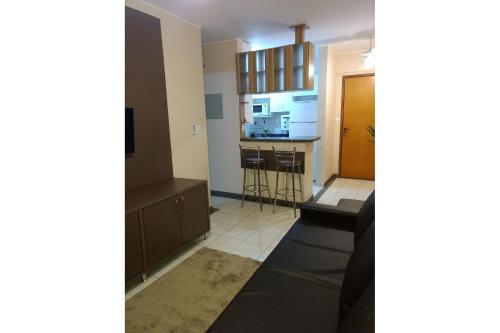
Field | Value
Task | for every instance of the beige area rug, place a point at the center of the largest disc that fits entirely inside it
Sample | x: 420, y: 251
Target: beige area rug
x: 191, y: 296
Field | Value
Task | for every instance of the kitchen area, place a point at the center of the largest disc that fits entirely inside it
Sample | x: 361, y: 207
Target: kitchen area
x: 278, y: 94
x: 286, y: 114
x: 284, y: 120
x: 277, y: 98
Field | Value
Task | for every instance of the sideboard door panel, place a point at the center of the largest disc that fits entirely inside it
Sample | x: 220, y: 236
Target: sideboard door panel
x: 162, y: 230
x: 195, y: 220
x: 134, y: 263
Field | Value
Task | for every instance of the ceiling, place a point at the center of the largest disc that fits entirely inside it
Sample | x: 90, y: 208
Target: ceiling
x: 265, y: 23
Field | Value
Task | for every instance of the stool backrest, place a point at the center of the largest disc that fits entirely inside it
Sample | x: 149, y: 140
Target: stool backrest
x: 284, y: 154
x: 250, y: 152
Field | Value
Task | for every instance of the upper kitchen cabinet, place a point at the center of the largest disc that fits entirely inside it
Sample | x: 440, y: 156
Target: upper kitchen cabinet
x: 261, y: 81
x: 284, y: 68
x: 303, y: 66
x: 245, y: 72
x: 280, y: 73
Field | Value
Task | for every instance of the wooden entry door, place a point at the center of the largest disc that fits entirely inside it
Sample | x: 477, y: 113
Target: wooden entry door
x: 357, y: 149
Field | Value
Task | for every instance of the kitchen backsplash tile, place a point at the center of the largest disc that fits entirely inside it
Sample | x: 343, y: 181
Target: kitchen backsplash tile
x: 270, y: 125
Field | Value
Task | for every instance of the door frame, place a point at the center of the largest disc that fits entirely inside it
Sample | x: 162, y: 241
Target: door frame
x: 341, y: 134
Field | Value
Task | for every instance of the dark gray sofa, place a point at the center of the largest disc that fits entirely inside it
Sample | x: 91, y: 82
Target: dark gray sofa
x: 320, y: 278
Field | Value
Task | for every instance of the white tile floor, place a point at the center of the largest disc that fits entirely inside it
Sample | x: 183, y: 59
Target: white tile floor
x: 345, y: 188
x: 246, y: 231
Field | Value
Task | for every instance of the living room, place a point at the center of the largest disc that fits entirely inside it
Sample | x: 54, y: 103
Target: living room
x: 248, y: 183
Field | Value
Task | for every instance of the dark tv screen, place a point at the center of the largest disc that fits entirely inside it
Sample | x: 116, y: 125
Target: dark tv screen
x: 129, y: 131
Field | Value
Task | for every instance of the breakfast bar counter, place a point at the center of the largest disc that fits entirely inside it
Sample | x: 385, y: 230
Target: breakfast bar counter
x: 304, y: 146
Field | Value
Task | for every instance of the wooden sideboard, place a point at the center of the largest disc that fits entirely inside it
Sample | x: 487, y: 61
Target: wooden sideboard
x: 160, y: 218
x: 162, y: 213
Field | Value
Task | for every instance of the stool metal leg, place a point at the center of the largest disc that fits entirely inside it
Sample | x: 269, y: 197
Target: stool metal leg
x: 276, y: 190
x: 244, y: 184
x: 300, y: 185
x: 260, y: 194
x: 254, y: 182
x: 286, y: 187
x: 267, y: 187
x: 293, y: 192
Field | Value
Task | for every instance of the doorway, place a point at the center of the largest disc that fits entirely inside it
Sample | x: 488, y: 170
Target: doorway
x: 357, y: 145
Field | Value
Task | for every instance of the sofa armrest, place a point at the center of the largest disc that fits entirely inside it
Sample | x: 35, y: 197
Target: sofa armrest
x: 329, y: 216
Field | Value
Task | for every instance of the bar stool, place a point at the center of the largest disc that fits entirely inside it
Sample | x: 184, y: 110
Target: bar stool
x: 252, y: 159
x: 285, y: 161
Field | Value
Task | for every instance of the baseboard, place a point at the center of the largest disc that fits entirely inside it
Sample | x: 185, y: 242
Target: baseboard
x: 212, y: 210
x: 325, y: 187
x: 330, y: 180
x: 237, y: 196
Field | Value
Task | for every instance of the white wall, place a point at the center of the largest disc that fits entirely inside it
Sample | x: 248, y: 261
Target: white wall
x: 224, y: 134
x: 334, y: 62
x: 320, y: 145
x: 185, y: 92
x: 326, y: 124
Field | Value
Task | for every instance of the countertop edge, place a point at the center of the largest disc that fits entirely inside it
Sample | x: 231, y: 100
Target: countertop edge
x: 282, y: 139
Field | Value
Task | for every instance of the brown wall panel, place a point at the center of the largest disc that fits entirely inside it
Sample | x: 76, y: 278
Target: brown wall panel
x: 145, y: 92
x: 268, y: 156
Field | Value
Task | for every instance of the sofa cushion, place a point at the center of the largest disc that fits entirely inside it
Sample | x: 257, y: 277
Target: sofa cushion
x: 330, y: 216
x: 361, y: 318
x: 311, y: 250
x: 359, y: 273
x: 321, y: 235
x: 365, y: 217
x: 275, y: 300
x: 352, y: 204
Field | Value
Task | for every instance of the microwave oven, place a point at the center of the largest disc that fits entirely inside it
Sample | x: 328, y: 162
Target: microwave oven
x: 261, y: 110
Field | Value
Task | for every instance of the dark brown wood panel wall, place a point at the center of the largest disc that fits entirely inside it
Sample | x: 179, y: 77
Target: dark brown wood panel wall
x: 145, y: 92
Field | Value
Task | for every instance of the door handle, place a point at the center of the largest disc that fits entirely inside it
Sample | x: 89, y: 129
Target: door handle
x: 346, y: 130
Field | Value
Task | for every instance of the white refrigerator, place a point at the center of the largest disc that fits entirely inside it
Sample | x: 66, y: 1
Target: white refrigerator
x: 304, y: 122
x: 303, y: 119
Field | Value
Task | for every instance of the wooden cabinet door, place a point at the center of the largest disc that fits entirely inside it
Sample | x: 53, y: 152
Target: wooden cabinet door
x: 242, y: 73
x: 252, y: 72
x: 134, y: 260
x: 195, y: 220
x: 288, y: 70
x: 162, y: 230
x: 308, y: 65
x: 270, y: 70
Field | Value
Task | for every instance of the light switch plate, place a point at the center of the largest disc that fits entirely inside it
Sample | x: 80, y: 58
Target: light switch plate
x: 196, y: 129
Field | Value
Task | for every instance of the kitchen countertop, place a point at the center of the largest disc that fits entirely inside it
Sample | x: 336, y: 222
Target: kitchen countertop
x: 283, y: 139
